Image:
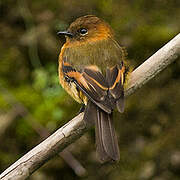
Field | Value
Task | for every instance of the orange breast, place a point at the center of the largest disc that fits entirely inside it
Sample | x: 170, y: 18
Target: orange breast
x: 70, y: 87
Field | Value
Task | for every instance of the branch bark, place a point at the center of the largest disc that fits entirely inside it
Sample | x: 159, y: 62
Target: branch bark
x: 75, y: 128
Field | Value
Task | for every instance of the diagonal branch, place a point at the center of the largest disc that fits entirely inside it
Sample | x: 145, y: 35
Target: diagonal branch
x: 75, y: 128
x: 19, y: 109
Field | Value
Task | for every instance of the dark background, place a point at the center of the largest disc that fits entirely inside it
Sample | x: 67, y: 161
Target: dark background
x: 32, y: 102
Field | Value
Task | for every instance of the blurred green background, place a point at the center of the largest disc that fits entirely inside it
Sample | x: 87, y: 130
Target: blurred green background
x: 32, y: 103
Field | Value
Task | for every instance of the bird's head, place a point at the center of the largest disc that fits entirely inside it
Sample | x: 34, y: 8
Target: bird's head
x: 87, y: 29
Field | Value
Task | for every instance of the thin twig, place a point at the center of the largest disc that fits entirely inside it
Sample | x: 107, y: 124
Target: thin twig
x: 75, y: 128
x: 6, y: 119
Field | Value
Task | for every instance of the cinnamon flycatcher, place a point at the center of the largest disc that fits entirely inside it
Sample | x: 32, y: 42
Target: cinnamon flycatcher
x: 92, y: 71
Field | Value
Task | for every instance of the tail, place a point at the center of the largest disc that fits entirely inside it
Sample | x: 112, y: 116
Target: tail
x: 106, y: 140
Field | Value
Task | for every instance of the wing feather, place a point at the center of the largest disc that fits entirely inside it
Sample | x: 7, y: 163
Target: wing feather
x: 115, y: 78
x: 91, y: 86
x: 105, y: 92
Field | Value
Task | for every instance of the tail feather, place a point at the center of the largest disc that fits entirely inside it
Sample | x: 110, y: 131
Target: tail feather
x: 90, y: 113
x: 108, y: 136
x: 106, y: 140
x: 103, y: 156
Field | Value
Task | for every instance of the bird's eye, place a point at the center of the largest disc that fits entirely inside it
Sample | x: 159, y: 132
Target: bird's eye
x: 83, y: 31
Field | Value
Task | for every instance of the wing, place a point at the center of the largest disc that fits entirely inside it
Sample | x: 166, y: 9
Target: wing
x: 106, y: 92
x: 115, y: 79
x: 92, y: 83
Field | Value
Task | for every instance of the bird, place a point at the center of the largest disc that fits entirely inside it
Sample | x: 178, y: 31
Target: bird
x: 93, y: 70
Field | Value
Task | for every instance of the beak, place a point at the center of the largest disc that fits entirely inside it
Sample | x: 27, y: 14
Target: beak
x: 65, y: 33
